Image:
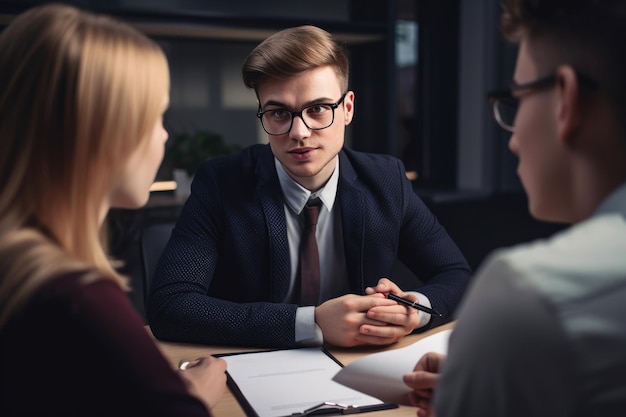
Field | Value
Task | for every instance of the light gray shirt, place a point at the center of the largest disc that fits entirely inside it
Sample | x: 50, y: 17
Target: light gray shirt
x: 542, y: 330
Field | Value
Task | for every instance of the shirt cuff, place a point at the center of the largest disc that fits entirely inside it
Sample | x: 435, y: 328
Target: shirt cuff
x: 308, y: 332
x: 423, y: 316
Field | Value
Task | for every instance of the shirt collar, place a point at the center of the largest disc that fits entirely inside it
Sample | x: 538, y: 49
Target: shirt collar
x: 296, y: 196
x: 615, y: 202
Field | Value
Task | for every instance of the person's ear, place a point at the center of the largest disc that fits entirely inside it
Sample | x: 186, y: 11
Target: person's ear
x: 569, y: 113
x: 348, y: 105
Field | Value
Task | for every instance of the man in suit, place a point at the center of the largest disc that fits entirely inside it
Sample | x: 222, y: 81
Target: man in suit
x: 229, y: 273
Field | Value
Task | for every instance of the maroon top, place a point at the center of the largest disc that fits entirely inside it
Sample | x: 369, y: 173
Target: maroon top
x: 82, y: 350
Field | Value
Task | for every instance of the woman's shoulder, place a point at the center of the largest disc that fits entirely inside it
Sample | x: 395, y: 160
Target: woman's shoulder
x: 72, y: 284
x: 84, y: 297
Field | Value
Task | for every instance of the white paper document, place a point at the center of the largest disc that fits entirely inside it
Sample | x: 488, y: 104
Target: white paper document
x: 282, y: 382
x: 380, y: 374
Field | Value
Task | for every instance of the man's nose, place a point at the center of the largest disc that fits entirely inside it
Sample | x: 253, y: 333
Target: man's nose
x: 299, y: 129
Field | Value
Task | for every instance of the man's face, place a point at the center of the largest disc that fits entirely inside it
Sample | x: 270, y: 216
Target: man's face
x: 308, y: 156
x: 542, y: 158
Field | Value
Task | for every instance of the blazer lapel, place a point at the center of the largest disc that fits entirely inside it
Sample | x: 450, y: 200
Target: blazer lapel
x: 270, y: 196
x: 351, y: 200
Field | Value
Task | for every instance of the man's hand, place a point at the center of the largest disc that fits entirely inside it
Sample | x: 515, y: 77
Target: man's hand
x: 402, y: 320
x: 423, y: 380
x: 385, y: 286
x: 345, y: 320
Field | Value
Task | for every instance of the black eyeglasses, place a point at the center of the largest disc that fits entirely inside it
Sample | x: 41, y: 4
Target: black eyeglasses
x: 315, y: 117
x: 504, y: 104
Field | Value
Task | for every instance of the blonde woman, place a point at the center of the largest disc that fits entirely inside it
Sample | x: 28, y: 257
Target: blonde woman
x: 81, y: 131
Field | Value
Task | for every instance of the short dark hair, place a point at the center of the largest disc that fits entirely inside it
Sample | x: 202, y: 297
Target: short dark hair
x: 588, y: 35
x: 293, y: 51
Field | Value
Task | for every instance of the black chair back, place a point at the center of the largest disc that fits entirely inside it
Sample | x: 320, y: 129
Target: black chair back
x: 153, y: 241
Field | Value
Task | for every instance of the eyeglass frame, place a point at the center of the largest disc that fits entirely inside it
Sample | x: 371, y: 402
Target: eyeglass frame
x: 496, y: 97
x: 293, y: 114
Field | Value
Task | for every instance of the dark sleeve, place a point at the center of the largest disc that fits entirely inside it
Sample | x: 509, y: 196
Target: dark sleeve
x: 108, y: 319
x: 80, y: 349
x: 213, y: 282
x: 508, y: 355
x: 427, y: 249
x: 386, y: 221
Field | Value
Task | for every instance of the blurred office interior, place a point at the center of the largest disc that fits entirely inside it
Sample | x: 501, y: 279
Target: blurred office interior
x: 420, y: 70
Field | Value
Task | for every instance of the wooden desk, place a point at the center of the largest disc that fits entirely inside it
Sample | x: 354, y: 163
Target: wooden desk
x: 228, y: 405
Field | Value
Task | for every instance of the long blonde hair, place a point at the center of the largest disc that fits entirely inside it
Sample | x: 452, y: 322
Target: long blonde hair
x: 80, y: 92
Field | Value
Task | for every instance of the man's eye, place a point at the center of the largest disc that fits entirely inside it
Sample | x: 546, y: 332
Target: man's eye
x: 317, y: 109
x: 279, y: 114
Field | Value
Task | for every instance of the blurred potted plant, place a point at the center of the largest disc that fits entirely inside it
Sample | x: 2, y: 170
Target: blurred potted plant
x: 185, y: 152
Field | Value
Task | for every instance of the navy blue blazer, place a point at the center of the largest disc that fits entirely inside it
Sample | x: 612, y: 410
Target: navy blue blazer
x: 225, y: 269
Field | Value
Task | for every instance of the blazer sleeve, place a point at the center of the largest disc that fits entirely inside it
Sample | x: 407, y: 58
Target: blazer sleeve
x: 388, y: 221
x: 214, y: 281
x: 427, y: 249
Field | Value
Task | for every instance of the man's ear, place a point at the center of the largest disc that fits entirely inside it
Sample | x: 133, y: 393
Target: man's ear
x: 348, y: 103
x: 570, y: 112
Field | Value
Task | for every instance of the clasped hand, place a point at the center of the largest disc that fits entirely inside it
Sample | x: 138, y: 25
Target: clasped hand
x: 371, y: 319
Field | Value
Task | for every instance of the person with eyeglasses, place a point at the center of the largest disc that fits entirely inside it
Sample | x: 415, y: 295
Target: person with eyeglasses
x: 542, y: 330
x: 230, y: 275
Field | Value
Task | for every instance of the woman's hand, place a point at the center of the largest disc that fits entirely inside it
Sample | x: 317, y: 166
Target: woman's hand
x: 206, y: 378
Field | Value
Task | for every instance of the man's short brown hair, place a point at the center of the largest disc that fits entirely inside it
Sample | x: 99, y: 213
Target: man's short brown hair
x: 293, y: 51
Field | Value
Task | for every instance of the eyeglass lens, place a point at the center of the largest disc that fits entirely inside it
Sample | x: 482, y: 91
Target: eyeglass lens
x: 505, y: 111
x: 315, y: 117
